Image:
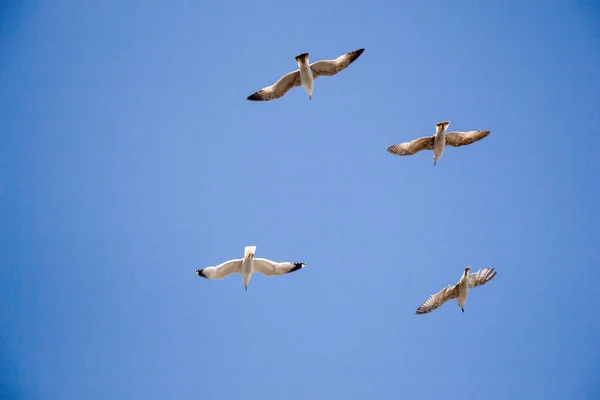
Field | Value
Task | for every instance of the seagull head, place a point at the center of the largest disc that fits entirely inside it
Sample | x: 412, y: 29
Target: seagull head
x: 467, y: 270
x: 442, y: 126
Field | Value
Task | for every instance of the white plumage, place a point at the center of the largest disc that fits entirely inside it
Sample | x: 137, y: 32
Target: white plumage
x: 247, y: 266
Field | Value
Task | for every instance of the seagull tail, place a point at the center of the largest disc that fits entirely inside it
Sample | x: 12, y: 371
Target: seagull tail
x: 249, y: 251
x: 302, y: 59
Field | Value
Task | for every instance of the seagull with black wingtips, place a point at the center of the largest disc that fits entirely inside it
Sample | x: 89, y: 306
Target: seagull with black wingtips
x: 305, y: 75
x: 247, y: 266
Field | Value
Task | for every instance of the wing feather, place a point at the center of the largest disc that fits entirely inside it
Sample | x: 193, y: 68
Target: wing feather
x: 410, y: 148
x: 222, y: 270
x: 436, y: 300
x: 279, y: 88
x: 457, y: 139
x: 269, y: 267
x: 332, y: 67
x: 481, y: 277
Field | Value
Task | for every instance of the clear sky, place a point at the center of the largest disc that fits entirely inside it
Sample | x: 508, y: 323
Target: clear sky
x: 130, y: 157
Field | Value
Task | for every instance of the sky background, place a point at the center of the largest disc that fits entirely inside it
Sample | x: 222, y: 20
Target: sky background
x: 130, y: 157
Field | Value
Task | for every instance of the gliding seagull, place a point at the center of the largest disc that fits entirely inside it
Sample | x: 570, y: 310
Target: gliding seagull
x: 305, y: 75
x: 438, y: 141
x: 247, y: 266
x: 458, y: 291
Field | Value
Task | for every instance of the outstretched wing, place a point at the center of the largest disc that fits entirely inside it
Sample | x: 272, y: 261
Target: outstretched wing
x: 481, y: 277
x: 221, y: 270
x: 332, y: 67
x: 278, y: 89
x: 410, y: 148
x: 457, y: 139
x: 436, y: 300
x: 269, y: 267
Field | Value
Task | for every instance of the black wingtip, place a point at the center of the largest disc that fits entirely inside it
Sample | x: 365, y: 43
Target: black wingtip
x: 297, y: 266
x: 200, y: 273
x: 254, y: 97
x: 355, y: 54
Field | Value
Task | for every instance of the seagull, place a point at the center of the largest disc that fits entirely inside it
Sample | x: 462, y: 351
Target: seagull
x: 458, y: 291
x: 305, y: 75
x: 248, y: 265
x: 438, y: 141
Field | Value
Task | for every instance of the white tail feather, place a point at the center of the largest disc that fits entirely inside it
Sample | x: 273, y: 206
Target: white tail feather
x: 249, y: 250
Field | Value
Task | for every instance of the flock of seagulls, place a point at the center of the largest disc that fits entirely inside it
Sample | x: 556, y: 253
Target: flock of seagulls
x: 305, y: 76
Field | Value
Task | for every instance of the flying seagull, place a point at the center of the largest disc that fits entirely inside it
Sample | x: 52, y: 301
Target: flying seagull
x: 438, y: 141
x: 247, y: 266
x: 305, y: 75
x: 458, y: 291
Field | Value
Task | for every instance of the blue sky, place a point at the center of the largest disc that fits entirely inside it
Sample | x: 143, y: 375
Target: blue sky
x: 130, y: 157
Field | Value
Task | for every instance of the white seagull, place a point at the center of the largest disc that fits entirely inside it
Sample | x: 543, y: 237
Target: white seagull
x: 305, y: 75
x: 438, y: 142
x: 247, y: 266
x: 458, y: 291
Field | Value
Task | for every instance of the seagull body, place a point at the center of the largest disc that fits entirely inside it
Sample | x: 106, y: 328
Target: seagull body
x: 305, y: 75
x: 247, y: 266
x: 460, y: 291
x: 438, y: 142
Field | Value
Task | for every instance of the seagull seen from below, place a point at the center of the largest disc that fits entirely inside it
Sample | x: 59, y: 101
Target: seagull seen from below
x: 458, y: 291
x: 305, y: 75
x: 247, y: 266
x: 438, y: 142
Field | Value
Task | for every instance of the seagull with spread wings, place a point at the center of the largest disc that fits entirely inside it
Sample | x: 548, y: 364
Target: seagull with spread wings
x: 458, y: 291
x: 438, y: 142
x: 247, y: 266
x: 305, y: 75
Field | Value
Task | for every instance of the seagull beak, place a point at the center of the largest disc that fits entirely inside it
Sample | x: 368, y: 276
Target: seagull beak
x: 310, y: 97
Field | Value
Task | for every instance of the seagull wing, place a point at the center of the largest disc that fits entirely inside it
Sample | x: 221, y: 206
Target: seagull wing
x: 457, y: 139
x: 410, y: 148
x: 332, y: 67
x: 269, y: 267
x: 278, y: 89
x: 436, y: 300
x: 481, y: 277
x: 221, y: 270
